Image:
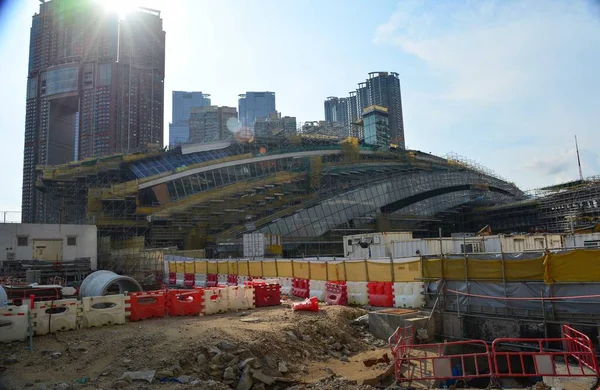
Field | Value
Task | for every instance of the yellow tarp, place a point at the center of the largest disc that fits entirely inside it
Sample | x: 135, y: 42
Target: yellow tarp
x: 380, y: 272
x: 212, y: 267
x: 576, y: 266
x: 200, y: 267
x: 255, y: 268
x: 356, y: 272
x: 189, y: 267
x: 301, y: 270
x: 318, y: 271
x: 243, y: 268
x: 454, y: 269
x: 336, y: 271
x: 284, y: 268
x: 269, y: 269
x: 222, y: 268
x: 407, y: 272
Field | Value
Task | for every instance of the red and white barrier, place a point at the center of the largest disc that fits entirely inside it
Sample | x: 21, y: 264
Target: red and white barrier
x: 55, y: 316
x: 240, y: 297
x: 100, y: 311
x: 215, y: 300
x: 13, y: 323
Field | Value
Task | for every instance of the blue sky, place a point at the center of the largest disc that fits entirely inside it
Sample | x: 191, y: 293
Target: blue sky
x: 505, y: 83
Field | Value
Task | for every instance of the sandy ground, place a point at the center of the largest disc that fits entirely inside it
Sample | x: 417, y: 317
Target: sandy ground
x: 309, y: 344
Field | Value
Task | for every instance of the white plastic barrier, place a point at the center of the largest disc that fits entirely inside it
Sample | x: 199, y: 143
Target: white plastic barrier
x: 200, y: 280
x: 357, y: 293
x: 317, y: 289
x: 242, y: 279
x: 50, y: 317
x: 106, y: 310
x: 215, y: 300
x: 285, y: 286
x: 240, y: 297
x: 179, y: 278
x: 222, y: 279
x: 13, y: 323
x: 409, y: 295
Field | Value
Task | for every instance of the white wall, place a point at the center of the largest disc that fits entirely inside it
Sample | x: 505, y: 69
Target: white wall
x: 87, y: 240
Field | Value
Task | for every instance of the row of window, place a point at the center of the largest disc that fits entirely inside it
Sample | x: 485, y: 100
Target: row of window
x: 24, y: 240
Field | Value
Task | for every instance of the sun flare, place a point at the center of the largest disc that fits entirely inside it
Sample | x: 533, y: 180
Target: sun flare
x: 121, y: 7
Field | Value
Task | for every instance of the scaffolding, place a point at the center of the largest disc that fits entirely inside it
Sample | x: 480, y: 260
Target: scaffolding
x: 206, y: 197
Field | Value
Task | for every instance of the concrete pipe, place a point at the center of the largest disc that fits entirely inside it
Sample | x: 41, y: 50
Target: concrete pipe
x: 3, y: 297
x: 101, y: 283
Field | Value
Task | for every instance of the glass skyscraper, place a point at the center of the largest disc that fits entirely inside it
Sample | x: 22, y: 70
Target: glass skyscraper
x: 253, y: 105
x: 183, y: 102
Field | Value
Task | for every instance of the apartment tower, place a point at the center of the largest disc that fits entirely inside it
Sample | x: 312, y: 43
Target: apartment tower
x: 95, y: 86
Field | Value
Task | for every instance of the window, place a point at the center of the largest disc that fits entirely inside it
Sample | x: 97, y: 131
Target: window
x: 22, y: 241
x: 72, y: 241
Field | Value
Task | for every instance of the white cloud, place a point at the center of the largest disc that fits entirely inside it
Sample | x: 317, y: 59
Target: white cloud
x: 512, y: 82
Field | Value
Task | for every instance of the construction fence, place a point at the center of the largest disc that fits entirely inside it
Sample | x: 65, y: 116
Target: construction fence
x: 577, y: 266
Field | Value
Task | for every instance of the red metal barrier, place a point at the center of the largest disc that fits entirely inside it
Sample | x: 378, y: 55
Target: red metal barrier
x: 439, y: 361
x: 336, y: 293
x: 581, y: 343
x: 402, y: 337
x: 577, y: 359
x: 184, y: 302
x: 300, y: 288
x: 433, y: 362
x: 381, y: 294
x: 232, y: 280
x: 172, y: 278
x: 147, y: 304
x: 212, y: 280
x: 189, y: 280
x: 265, y: 294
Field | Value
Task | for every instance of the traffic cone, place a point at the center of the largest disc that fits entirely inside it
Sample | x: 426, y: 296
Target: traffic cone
x: 309, y: 304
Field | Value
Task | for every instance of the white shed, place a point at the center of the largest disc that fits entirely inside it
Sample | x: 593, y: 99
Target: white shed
x: 48, y: 242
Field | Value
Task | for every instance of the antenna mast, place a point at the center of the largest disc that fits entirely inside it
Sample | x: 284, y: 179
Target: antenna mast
x: 578, y: 159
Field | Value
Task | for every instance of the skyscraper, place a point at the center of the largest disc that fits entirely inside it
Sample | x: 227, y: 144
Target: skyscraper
x: 336, y: 110
x: 384, y: 90
x: 381, y: 89
x: 179, y: 128
x: 209, y: 123
x: 252, y: 105
x: 95, y: 86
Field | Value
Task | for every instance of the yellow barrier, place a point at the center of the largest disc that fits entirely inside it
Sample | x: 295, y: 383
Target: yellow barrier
x: 574, y: 266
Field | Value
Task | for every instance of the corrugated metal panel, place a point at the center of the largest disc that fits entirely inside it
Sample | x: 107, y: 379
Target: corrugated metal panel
x: 254, y: 245
x: 590, y: 240
x: 410, y: 248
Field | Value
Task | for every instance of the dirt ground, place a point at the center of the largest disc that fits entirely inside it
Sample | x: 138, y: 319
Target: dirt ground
x: 265, y: 348
x: 298, y: 347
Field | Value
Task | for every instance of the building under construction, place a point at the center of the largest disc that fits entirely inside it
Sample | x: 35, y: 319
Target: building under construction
x: 311, y: 190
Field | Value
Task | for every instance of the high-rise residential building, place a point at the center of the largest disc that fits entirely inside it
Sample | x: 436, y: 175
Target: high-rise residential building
x: 179, y: 129
x: 336, y: 110
x: 253, y: 105
x: 210, y: 123
x: 275, y: 125
x: 228, y: 122
x: 381, y: 89
x: 95, y: 86
x: 384, y: 91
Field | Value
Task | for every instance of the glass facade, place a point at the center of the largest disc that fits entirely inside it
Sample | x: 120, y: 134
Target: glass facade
x: 62, y: 80
x: 376, y: 127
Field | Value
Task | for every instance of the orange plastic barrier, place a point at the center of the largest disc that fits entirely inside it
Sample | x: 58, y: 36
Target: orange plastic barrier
x: 184, y: 302
x: 147, y: 304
